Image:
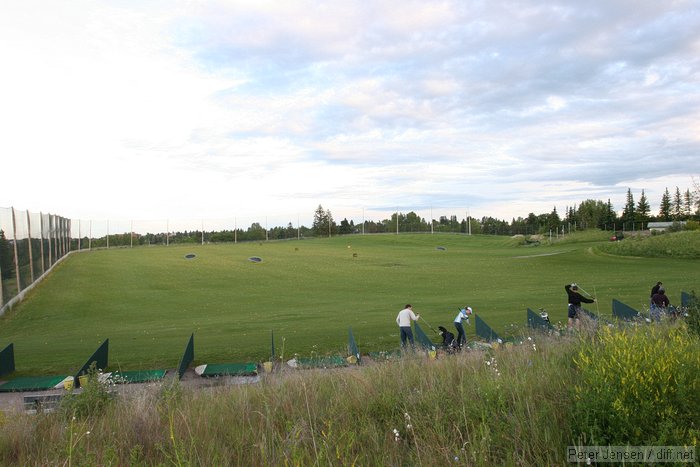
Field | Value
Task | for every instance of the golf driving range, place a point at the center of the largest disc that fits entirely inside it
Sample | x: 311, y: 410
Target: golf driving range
x: 147, y: 301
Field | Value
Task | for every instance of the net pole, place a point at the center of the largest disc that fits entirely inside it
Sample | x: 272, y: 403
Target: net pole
x: 41, y: 227
x: 14, y: 244
x: 29, y: 244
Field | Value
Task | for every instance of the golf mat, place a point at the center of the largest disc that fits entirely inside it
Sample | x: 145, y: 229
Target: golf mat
x: 137, y: 376
x: 33, y: 383
x: 227, y: 369
x: 624, y: 312
x: 535, y: 321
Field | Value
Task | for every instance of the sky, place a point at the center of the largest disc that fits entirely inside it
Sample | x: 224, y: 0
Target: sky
x: 186, y: 109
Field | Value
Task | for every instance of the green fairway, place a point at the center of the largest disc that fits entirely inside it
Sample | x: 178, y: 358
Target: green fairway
x: 149, y: 300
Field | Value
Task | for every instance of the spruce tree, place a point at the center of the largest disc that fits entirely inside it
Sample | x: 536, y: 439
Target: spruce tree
x: 677, y: 206
x: 628, y: 213
x: 665, y: 207
x: 643, y: 209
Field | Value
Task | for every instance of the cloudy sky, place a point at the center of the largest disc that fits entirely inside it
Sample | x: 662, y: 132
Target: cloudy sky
x: 212, y: 109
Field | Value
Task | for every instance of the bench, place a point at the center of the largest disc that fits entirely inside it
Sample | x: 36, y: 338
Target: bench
x: 35, y: 403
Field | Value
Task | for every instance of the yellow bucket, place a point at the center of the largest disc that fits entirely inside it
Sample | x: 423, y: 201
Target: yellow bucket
x: 351, y: 359
x: 267, y: 366
x: 68, y: 384
x: 432, y: 354
x: 83, y: 380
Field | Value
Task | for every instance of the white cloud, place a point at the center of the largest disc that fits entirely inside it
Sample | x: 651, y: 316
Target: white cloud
x: 208, y: 109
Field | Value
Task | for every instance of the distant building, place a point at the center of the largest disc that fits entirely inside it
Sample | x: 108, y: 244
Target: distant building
x: 661, y: 226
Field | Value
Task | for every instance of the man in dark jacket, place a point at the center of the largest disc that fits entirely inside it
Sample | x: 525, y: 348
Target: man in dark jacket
x: 575, y: 300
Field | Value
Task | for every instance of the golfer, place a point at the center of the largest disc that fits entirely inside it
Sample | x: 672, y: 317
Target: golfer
x: 461, y: 316
x: 654, y: 291
x: 404, y: 319
x: 659, y: 304
x: 575, y: 299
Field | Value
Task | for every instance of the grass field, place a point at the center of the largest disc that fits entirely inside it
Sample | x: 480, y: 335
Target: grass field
x: 148, y: 300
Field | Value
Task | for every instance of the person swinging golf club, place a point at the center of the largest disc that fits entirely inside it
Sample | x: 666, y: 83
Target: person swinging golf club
x: 404, y: 319
x: 575, y: 300
x: 463, y: 314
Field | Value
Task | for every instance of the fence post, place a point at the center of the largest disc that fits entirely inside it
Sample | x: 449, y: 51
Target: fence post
x: 14, y: 244
x: 41, y: 250
x: 29, y: 243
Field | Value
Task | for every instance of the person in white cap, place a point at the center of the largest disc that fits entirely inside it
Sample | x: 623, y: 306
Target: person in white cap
x: 463, y: 314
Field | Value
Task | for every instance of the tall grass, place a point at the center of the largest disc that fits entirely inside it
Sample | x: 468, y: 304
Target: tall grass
x: 515, y: 405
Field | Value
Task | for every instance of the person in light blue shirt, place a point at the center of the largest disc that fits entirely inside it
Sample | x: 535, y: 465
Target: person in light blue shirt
x: 463, y: 315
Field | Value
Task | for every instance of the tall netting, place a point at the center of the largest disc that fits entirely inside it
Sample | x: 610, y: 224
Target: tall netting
x: 30, y: 243
x: 7, y: 260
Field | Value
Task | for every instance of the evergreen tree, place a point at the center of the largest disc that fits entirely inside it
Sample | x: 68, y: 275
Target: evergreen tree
x: 643, y: 210
x: 553, y: 220
x: 628, y: 212
x: 665, y: 207
x: 687, y: 204
x: 610, y: 216
x: 320, y: 225
x: 677, y: 206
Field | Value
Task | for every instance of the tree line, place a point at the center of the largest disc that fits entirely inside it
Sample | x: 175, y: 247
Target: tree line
x: 676, y: 206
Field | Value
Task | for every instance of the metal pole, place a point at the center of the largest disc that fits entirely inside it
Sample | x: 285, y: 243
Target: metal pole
x: 132, y: 234
x: 41, y: 227
x: 108, y: 234
x: 29, y: 244
x: 363, y: 221
x: 90, y: 235
x: 14, y: 244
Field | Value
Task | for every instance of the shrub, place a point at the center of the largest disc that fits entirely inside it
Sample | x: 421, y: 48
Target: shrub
x: 693, y: 318
x: 638, y: 387
x: 94, y: 398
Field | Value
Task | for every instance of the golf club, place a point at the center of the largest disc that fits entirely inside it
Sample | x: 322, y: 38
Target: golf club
x: 595, y: 297
x: 429, y: 325
x: 589, y: 295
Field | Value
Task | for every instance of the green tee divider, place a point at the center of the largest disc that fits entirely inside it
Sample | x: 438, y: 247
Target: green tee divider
x: 484, y: 331
x: 688, y: 299
x: 99, y: 358
x: 7, y: 360
x: 422, y: 338
x: 187, y: 357
x: 623, y: 311
x: 352, y: 347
